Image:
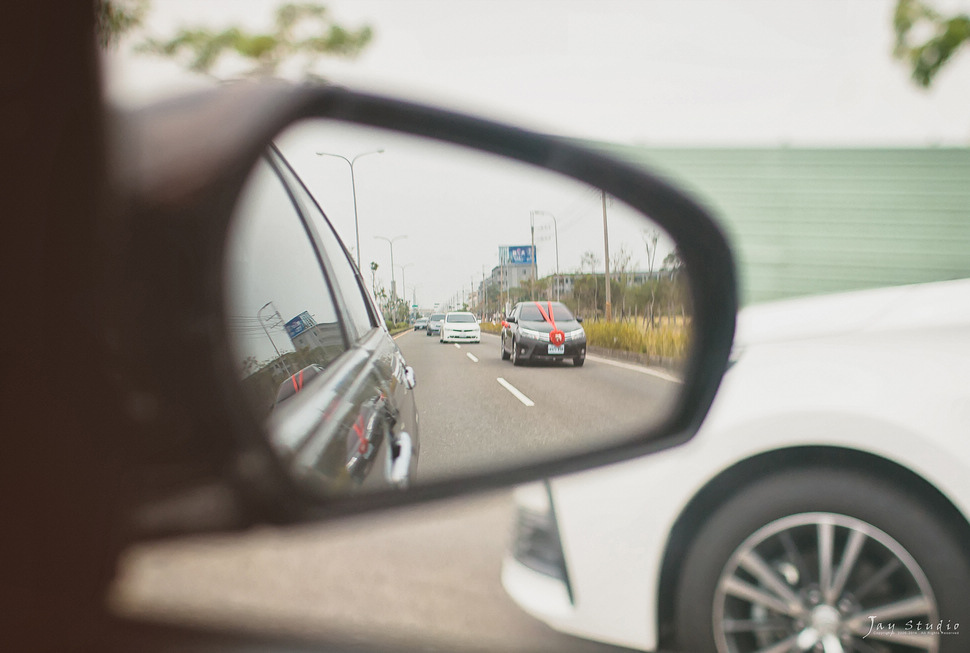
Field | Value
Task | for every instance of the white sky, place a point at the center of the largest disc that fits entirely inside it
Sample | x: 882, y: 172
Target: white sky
x: 812, y: 72
x: 671, y: 72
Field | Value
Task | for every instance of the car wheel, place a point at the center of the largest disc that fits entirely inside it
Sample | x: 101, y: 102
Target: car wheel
x: 578, y: 361
x: 822, y: 560
x: 516, y: 358
x: 505, y: 354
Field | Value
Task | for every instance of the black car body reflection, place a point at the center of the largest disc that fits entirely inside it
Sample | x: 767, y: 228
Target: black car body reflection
x: 542, y: 330
x: 318, y: 363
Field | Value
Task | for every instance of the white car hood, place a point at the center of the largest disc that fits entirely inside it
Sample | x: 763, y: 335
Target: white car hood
x: 900, y: 307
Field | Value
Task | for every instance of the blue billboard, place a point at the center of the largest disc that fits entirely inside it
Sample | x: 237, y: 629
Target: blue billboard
x: 299, y: 324
x: 517, y: 255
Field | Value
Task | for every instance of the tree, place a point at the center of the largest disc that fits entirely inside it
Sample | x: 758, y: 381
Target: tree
x: 650, y: 239
x: 620, y: 277
x: 302, y: 32
x: 589, y: 260
x: 672, y: 264
x: 373, y: 276
x: 926, y: 39
x: 115, y: 18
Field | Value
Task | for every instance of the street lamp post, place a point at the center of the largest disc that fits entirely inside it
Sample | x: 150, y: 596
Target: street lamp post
x: 404, y: 294
x: 353, y: 186
x: 390, y: 242
x: 555, y: 226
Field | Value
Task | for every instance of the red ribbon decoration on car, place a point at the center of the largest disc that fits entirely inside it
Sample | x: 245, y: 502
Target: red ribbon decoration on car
x: 556, y: 336
x: 297, y: 387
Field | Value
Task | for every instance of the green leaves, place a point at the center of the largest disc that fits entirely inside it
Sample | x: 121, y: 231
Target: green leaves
x: 301, y: 31
x: 115, y: 18
x: 925, y: 39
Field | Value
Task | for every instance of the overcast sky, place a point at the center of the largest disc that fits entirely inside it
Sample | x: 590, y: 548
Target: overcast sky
x: 812, y: 72
x: 652, y: 72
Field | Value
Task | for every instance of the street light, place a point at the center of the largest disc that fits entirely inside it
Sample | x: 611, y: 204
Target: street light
x: 403, y: 285
x: 353, y: 186
x: 390, y: 241
x: 555, y: 226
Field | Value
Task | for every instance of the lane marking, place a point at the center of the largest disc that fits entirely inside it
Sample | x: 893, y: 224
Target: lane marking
x: 471, y: 356
x: 402, y: 334
x: 457, y: 346
x: 515, y: 392
x: 636, y: 368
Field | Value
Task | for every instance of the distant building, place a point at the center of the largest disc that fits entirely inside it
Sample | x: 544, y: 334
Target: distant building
x: 326, y: 335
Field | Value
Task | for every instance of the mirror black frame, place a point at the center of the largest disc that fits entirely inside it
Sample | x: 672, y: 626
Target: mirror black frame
x: 171, y: 328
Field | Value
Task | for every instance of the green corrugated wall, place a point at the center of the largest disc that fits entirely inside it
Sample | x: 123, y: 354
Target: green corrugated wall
x: 810, y: 221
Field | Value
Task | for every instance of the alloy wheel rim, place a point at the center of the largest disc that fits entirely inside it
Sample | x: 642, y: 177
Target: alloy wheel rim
x: 826, y: 583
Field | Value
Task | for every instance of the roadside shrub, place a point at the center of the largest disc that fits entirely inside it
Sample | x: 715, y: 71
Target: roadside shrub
x: 662, y: 341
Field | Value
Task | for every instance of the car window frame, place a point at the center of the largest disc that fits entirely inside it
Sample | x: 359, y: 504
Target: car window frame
x: 353, y: 333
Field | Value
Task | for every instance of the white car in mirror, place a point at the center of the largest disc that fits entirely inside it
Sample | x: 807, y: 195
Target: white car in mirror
x: 460, y: 326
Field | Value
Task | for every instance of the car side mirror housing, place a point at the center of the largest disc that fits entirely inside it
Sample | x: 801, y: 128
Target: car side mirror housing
x: 186, y: 167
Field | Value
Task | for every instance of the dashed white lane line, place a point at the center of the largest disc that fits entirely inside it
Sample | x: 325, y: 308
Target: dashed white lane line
x: 637, y: 368
x: 515, y: 392
x: 472, y: 357
x: 457, y: 346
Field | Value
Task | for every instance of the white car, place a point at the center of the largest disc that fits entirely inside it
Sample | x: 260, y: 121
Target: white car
x: 823, y: 505
x: 460, y: 326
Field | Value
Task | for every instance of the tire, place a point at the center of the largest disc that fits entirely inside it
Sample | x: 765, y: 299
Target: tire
x: 505, y: 354
x: 516, y: 358
x: 579, y: 361
x: 751, y: 542
x: 427, y: 333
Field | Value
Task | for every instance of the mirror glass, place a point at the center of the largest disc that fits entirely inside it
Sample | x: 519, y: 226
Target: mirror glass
x: 479, y: 333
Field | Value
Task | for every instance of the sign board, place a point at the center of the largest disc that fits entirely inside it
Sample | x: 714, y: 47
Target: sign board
x: 517, y: 255
x: 299, y: 324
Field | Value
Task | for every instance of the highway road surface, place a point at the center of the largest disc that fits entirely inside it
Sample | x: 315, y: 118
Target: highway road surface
x: 479, y: 412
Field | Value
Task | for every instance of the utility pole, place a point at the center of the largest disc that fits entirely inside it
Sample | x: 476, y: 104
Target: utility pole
x: 535, y: 268
x: 262, y: 323
x: 484, y: 295
x: 555, y: 226
x: 501, y: 280
x: 606, y: 247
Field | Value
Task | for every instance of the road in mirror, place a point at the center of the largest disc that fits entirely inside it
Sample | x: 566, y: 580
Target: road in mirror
x: 503, y: 344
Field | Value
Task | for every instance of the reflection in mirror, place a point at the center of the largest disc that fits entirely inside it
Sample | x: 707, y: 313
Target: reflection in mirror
x: 508, y: 347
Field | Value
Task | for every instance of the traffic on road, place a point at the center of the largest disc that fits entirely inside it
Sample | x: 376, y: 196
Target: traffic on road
x: 480, y: 412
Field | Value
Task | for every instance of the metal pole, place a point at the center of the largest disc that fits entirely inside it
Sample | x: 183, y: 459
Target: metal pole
x: 353, y: 186
x: 555, y: 226
x: 535, y: 265
x: 404, y: 293
x: 390, y: 242
x: 606, y: 247
x: 259, y: 317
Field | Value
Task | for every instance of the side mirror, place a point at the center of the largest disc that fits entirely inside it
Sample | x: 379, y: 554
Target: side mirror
x: 246, y: 270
